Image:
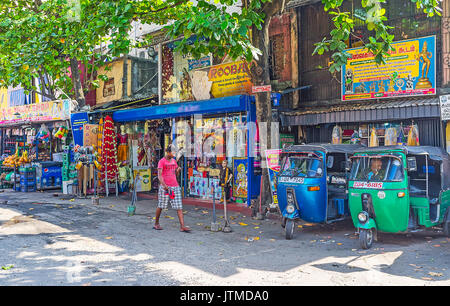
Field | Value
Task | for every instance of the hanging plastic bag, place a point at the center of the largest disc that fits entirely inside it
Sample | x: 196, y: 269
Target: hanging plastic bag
x: 336, y: 135
x: 373, y: 141
x: 43, y: 134
x: 390, y: 137
x: 413, y: 136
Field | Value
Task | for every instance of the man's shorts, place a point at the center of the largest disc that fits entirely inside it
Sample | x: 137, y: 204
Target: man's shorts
x: 163, y: 198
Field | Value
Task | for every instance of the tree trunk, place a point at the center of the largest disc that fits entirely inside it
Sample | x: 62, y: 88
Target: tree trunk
x: 76, y: 82
x: 261, y: 76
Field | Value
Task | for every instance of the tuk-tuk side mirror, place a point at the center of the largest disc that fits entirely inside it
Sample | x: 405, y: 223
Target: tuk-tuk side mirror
x: 330, y: 162
x: 411, y: 164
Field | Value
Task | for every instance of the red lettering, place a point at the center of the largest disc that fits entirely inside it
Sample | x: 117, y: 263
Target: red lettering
x: 233, y: 69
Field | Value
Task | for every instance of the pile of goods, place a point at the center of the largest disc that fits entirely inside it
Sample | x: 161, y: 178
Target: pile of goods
x: 16, y: 161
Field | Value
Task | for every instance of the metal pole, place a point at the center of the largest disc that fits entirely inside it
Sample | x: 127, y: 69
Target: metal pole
x: 226, y: 227
x: 214, y: 204
x: 426, y: 166
x: 214, y: 224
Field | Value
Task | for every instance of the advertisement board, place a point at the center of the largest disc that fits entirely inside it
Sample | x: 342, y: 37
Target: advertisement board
x: 77, y: 122
x: 38, y: 112
x: 273, y: 167
x: 410, y: 70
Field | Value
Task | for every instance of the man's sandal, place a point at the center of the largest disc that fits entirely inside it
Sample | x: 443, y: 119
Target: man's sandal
x: 185, y: 229
x: 157, y: 227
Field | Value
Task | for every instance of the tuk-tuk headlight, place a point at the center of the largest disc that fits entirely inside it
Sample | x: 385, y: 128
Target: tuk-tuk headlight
x: 290, y: 209
x: 363, y: 217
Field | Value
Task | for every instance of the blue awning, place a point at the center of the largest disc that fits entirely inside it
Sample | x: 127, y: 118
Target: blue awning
x: 213, y: 106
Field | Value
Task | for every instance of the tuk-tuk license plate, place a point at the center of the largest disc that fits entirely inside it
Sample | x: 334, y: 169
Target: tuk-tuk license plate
x: 295, y: 180
x: 371, y: 185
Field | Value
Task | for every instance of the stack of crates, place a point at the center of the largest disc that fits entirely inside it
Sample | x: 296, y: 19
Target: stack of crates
x: 27, y: 179
x: 73, y: 173
x: 66, y: 163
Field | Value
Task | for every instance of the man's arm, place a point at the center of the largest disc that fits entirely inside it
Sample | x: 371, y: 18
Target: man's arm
x: 160, y: 178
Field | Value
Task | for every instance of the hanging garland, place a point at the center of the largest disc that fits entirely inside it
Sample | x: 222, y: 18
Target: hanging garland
x: 109, y: 150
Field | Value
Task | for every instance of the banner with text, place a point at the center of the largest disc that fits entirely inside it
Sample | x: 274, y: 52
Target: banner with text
x: 410, y: 70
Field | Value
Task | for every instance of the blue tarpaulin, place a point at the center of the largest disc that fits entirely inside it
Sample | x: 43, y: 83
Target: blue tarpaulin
x: 174, y: 110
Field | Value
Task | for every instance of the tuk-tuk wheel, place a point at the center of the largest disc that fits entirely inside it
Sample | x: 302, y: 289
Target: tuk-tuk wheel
x: 290, y: 224
x: 447, y: 228
x: 446, y: 225
x: 366, y: 238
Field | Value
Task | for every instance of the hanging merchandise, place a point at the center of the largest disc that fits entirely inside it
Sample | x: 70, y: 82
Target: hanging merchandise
x: 373, y: 141
x: 109, y: 151
x: 355, y: 138
x: 401, y: 136
x: 61, y: 133
x: 336, y: 135
x: 43, y: 134
x: 122, y: 150
x: 413, y: 136
x: 390, y: 137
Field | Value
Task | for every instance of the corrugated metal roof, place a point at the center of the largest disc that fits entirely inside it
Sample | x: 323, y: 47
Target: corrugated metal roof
x: 359, y: 112
x: 297, y: 3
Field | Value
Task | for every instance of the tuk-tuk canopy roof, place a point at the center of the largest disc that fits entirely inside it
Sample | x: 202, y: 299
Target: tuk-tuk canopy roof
x: 434, y: 153
x: 324, y: 147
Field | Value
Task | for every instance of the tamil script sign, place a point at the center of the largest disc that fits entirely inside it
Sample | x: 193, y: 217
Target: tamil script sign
x: 410, y: 70
x: 262, y: 88
x: 445, y: 107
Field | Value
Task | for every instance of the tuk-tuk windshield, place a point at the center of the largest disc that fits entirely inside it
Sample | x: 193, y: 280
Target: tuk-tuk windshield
x: 377, y: 168
x: 302, y: 166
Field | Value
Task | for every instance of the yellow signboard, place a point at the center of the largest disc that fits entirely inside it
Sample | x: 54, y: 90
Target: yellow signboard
x: 230, y: 79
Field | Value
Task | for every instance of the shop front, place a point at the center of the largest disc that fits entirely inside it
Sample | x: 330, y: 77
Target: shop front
x: 204, y: 134
x: 372, y: 124
x: 33, y: 139
x: 389, y: 104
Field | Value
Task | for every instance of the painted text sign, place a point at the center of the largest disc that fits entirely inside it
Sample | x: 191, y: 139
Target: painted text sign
x: 410, y: 70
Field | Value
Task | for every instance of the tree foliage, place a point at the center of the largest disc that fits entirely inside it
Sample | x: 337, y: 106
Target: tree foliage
x: 45, y: 39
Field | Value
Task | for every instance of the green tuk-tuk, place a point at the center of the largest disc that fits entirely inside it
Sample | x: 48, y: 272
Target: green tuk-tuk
x: 399, y: 189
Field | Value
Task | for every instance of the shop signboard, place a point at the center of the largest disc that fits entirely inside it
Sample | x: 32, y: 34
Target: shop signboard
x: 38, y: 112
x: 262, y: 88
x: 240, y: 175
x: 445, y: 107
x: 273, y: 168
x: 286, y: 140
x: 77, y: 122
x: 410, y: 70
x: 189, y: 81
x: 90, y: 132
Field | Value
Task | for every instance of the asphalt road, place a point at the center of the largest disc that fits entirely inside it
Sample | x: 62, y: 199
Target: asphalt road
x: 47, y: 240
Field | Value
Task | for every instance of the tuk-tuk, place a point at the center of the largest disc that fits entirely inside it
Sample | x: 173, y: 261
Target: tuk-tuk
x: 399, y: 189
x: 312, y: 183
